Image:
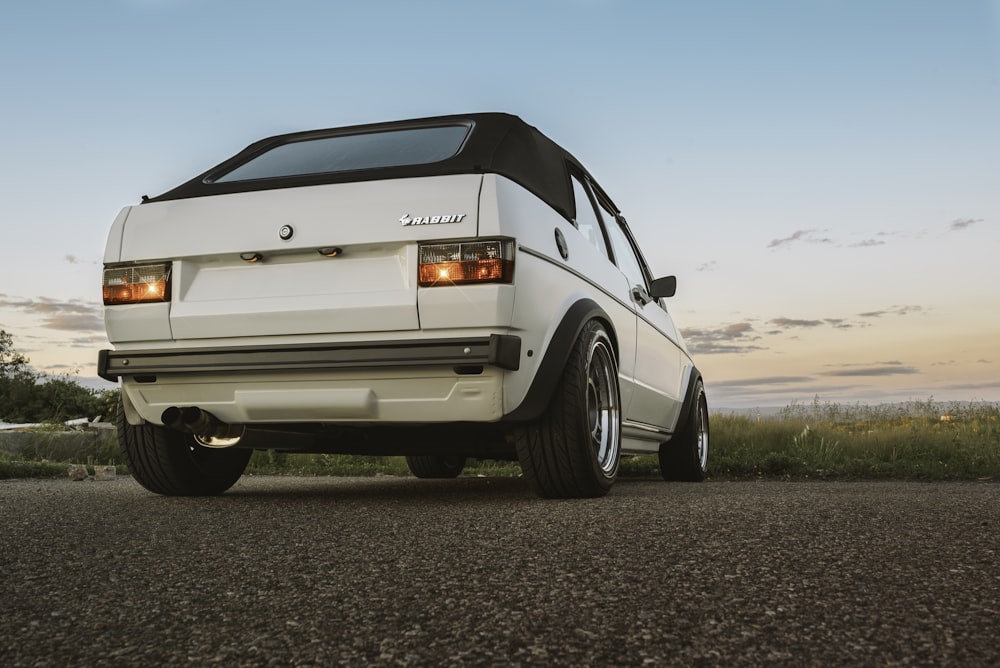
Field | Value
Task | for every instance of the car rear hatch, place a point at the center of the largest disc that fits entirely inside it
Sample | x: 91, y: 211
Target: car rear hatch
x: 308, y: 260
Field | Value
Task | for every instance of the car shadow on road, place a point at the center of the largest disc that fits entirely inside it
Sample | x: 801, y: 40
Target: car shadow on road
x: 392, y: 490
x: 383, y: 488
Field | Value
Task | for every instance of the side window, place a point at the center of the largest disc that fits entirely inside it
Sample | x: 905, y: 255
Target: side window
x: 607, y: 213
x: 625, y: 256
x: 586, y: 218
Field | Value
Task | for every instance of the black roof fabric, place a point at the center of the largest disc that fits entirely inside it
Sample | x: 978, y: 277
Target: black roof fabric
x: 499, y: 144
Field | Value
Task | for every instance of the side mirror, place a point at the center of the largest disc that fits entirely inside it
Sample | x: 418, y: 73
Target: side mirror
x: 663, y: 287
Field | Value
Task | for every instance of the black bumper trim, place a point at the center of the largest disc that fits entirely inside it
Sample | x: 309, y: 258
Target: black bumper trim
x: 500, y: 350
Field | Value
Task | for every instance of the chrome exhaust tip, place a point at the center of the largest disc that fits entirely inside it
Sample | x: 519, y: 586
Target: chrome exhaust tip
x: 207, y: 429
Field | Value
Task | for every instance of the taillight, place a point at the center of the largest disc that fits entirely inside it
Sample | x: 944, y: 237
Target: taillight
x: 464, y: 262
x: 139, y: 284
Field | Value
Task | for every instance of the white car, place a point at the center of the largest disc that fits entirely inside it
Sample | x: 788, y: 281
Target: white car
x: 442, y: 288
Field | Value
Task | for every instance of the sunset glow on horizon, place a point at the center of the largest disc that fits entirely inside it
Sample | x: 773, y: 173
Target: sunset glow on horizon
x: 820, y: 176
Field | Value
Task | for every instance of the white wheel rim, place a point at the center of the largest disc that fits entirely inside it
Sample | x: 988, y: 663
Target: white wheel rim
x: 702, y: 436
x: 603, y: 410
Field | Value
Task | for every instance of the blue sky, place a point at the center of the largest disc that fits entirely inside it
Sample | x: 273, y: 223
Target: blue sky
x: 821, y: 175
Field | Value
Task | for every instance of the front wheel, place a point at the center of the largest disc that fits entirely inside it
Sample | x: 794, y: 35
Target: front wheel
x: 171, y: 463
x: 574, y: 449
x: 685, y: 456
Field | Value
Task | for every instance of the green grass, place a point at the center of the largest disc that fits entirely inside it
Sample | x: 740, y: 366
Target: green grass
x: 20, y: 468
x: 48, y: 452
x: 918, y: 440
x: 914, y: 441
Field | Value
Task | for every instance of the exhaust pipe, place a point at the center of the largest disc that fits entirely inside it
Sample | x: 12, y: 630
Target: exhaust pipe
x: 204, y: 423
x: 212, y: 432
x: 193, y: 420
x: 171, y: 417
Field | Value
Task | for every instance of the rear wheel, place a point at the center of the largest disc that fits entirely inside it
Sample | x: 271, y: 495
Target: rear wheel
x: 169, y: 462
x: 685, y: 456
x: 574, y: 449
x: 435, y: 466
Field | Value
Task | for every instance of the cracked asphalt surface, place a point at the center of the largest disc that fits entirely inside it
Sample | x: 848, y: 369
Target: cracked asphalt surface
x: 477, y: 571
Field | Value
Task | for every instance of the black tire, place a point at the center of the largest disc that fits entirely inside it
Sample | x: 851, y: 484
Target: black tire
x: 435, y: 466
x: 685, y: 456
x: 168, y: 462
x: 574, y: 449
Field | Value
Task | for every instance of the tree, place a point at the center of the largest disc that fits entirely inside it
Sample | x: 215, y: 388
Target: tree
x: 13, y: 365
x: 16, y: 380
x: 26, y: 396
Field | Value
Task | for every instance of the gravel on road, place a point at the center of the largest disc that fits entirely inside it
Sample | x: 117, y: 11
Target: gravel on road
x: 477, y: 571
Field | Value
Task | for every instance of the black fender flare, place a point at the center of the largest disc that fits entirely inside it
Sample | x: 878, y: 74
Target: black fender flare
x: 687, y: 407
x: 550, y: 369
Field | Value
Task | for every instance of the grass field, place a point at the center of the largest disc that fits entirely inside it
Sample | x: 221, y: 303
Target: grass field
x: 915, y: 441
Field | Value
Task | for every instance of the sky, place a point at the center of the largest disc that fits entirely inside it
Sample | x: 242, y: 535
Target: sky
x: 822, y: 176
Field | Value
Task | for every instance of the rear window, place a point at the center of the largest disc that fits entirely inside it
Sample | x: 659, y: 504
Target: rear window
x: 344, y: 153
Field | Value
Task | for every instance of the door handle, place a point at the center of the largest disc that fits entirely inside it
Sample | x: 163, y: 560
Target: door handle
x: 640, y: 296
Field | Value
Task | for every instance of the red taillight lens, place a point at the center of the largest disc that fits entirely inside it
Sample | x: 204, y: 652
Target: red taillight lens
x: 137, y: 284
x: 465, y: 262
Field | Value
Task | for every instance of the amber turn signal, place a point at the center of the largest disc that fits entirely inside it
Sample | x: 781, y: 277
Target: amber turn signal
x: 136, y: 284
x: 466, y: 262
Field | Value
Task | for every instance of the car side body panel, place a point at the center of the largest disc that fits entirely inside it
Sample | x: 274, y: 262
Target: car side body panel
x: 551, y: 285
x: 658, y: 369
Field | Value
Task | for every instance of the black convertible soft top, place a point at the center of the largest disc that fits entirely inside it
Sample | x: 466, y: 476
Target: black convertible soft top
x: 498, y: 143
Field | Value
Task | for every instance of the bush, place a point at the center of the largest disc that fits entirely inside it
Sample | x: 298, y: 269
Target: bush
x: 26, y: 396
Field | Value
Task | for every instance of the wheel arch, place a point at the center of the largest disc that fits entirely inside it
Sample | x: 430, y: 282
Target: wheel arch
x: 689, y: 398
x: 557, y: 353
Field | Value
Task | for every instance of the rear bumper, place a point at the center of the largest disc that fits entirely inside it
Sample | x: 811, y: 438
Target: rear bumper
x: 146, y: 366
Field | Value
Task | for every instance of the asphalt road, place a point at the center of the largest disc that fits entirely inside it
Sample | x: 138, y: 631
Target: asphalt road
x: 396, y: 571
